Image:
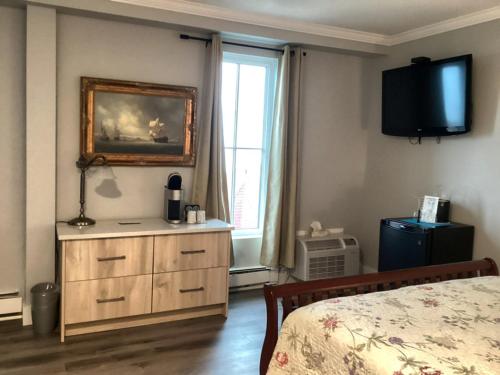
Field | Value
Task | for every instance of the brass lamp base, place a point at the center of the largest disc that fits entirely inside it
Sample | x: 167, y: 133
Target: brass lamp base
x: 83, y: 164
x: 81, y: 221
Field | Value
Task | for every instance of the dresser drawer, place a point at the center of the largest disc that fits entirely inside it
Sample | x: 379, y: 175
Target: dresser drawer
x: 102, y: 258
x: 185, y: 289
x: 90, y: 300
x: 191, y: 251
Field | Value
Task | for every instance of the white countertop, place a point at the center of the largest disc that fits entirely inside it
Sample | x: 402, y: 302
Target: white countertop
x: 136, y: 227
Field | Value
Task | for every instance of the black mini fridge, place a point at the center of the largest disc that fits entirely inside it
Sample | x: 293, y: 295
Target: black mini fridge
x: 407, y: 243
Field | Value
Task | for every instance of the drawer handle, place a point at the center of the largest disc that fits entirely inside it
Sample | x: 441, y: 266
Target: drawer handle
x: 121, y: 257
x: 106, y: 300
x: 200, y: 289
x: 187, y: 252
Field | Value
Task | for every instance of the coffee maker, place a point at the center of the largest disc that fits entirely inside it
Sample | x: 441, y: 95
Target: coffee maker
x: 173, y: 209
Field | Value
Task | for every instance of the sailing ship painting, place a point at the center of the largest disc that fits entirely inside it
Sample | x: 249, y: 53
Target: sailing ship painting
x: 138, y: 123
x: 158, y: 131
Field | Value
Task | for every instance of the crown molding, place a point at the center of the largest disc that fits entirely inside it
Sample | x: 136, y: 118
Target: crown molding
x: 251, y: 18
x: 257, y: 19
x: 451, y: 24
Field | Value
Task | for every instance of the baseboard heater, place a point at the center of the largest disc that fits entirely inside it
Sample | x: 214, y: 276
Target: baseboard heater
x: 11, y: 307
x: 249, y: 278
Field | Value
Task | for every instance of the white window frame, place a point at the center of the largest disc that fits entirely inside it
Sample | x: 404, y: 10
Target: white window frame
x: 271, y: 66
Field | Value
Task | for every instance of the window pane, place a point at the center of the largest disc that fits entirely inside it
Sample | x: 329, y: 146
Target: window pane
x: 247, y: 189
x: 251, y: 106
x: 229, y: 85
x: 229, y: 176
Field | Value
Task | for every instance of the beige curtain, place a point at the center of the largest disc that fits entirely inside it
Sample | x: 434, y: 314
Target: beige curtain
x: 209, y: 180
x: 278, y: 241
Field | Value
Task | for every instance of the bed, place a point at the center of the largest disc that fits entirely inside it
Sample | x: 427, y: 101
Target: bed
x: 432, y: 320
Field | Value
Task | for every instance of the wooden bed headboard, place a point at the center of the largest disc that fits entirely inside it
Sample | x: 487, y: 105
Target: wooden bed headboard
x: 301, y: 294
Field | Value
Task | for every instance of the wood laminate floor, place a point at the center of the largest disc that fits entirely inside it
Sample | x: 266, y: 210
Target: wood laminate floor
x: 210, y: 345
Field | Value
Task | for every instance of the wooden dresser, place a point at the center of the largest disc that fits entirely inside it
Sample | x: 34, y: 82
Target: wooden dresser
x: 127, y: 273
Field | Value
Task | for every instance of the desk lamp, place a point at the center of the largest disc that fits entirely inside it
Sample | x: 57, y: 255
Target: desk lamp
x: 84, y: 163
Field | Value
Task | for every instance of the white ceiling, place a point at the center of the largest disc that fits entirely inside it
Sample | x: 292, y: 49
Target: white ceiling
x: 387, y: 17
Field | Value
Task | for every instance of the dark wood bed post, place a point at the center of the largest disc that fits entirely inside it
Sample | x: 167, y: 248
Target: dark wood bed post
x: 493, y: 271
x: 301, y: 294
x: 271, y: 328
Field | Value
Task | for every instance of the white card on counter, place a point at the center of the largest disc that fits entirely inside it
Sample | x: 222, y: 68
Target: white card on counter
x: 429, y: 209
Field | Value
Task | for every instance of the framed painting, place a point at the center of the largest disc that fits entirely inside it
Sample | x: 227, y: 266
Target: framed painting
x: 134, y: 123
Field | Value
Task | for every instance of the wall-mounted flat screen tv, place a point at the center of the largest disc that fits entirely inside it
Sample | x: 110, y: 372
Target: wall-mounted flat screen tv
x: 428, y: 99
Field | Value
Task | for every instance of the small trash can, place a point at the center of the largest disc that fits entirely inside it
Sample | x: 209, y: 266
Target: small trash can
x: 44, y: 307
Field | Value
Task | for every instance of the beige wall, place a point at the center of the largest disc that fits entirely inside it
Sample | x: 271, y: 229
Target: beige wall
x: 12, y: 146
x: 466, y: 168
x: 333, y: 141
x: 108, y: 49
x: 40, y: 145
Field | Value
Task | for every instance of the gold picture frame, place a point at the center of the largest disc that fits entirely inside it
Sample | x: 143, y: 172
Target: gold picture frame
x: 136, y: 123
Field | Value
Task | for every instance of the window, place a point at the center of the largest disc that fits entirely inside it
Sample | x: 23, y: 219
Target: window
x: 248, y: 86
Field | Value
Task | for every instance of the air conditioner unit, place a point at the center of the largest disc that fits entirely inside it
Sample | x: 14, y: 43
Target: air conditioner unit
x: 326, y: 257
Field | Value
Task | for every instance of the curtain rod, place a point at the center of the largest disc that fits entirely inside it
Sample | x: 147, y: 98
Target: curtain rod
x: 206, y: 40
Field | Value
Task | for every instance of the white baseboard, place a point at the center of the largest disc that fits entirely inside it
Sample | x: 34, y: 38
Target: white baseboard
x: 27, y: 321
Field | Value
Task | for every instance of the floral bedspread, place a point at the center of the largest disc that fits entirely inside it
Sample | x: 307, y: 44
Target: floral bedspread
x: 450, y: 327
